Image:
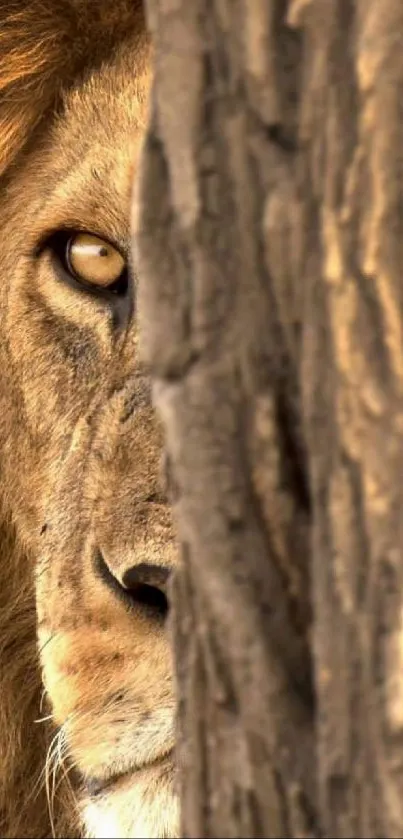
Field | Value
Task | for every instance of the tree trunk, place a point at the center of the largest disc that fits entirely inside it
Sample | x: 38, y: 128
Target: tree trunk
x: 269, y: 238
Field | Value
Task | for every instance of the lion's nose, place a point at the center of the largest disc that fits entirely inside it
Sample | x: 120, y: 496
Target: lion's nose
x: 142, y: 586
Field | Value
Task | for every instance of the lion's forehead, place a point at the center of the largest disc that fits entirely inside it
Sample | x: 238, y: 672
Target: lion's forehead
x: 83, y: 169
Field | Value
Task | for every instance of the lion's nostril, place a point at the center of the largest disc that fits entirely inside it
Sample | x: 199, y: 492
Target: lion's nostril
x: 146, y: 584
x: 151, y: 597
x: 143, y: 586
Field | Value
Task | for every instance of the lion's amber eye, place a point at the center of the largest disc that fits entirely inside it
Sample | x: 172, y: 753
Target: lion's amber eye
x: 93, y: 260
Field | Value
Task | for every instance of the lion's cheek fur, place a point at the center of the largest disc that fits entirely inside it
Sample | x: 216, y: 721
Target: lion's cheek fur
x: 103, y: 692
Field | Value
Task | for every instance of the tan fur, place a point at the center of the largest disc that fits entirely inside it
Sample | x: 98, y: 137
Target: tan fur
x: 79, y: 443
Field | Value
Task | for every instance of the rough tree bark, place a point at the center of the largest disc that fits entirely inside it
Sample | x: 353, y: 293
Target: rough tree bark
x: 269, y: 239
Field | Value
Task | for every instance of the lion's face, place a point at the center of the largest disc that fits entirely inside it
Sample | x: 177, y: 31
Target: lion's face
x: 80, y: 454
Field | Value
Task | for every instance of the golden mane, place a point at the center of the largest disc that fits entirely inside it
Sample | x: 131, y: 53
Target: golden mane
x: 24, y: 739
x: 44, y: 46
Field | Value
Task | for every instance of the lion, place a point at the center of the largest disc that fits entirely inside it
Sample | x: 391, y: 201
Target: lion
x: 87, y: 707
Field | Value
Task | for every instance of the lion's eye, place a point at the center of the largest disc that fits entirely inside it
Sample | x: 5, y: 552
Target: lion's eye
x: 94, y: 261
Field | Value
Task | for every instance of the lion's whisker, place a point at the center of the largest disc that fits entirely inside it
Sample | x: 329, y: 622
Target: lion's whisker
x: 43, y: 719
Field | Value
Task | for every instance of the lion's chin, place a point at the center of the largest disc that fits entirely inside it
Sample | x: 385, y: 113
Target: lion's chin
x: 142, y: 805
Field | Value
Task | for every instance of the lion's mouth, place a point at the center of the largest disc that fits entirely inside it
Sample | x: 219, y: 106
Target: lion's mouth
x: 100, y: 786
